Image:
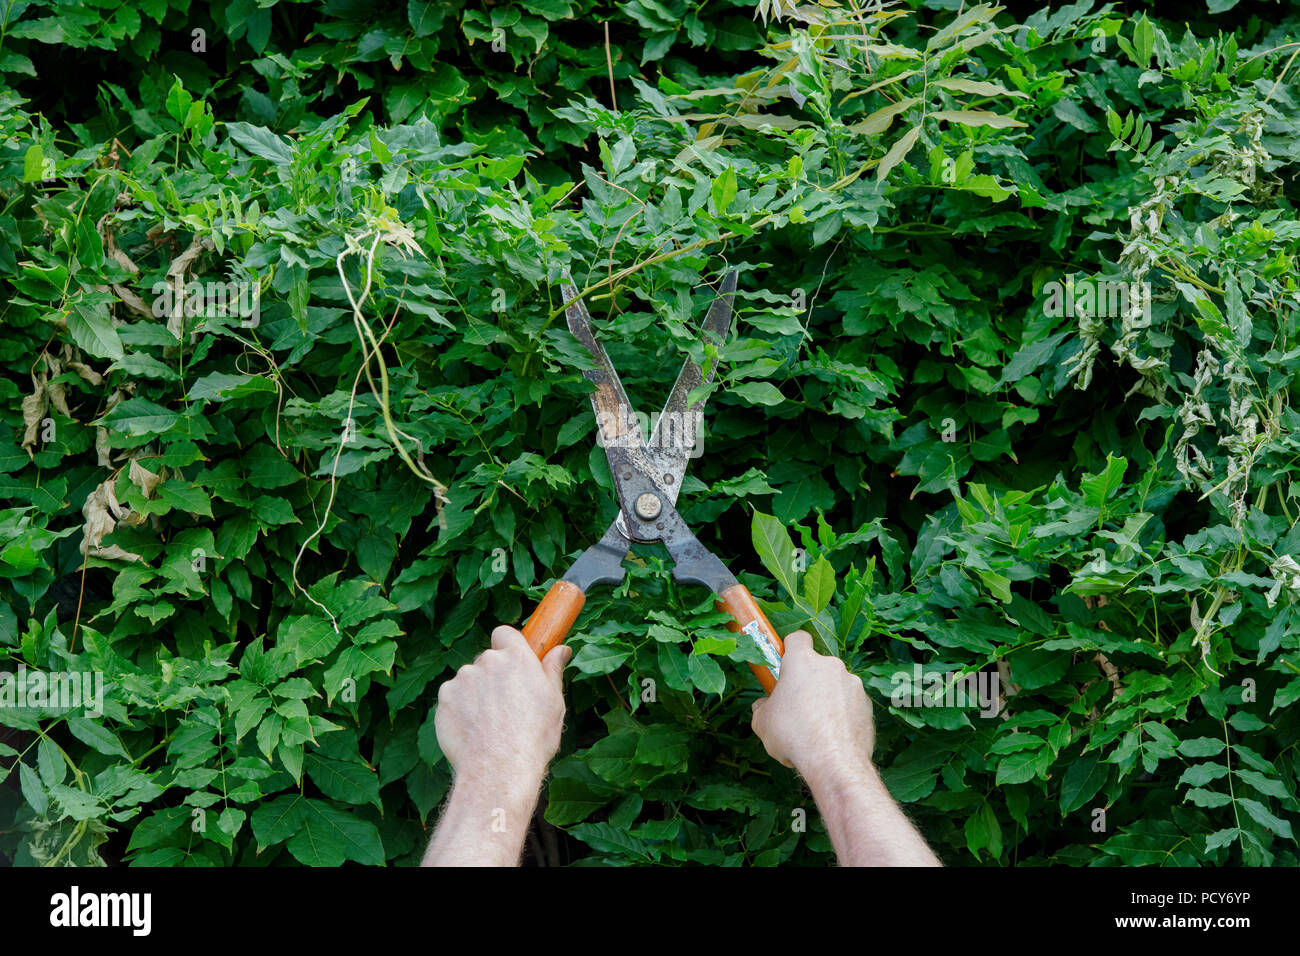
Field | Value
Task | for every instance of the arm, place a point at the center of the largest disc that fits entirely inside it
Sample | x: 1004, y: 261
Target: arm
x: 498, y: 723
x: 818, y: 720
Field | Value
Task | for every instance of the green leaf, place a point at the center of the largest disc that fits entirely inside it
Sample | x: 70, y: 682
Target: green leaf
x: 344, y: 781
x: 910, y: 781
x: 139, y: 417
x: 774, y: 548
x: 77, y: 804
x: 714, y: 645
x: 607, y: 839
x: 1201, y: 797
x: 33, y: 791
x: 975, y: 118
x: 1070, y: 112
x: 601, y: 658
x: 819, y: 584
x: 883, y: 118
x: 310, y: 638
x: 706, y: 674
x: 318, y: 834
x: 97, y: 736
x: 674, y: 667
x: 261, y: 142
x: 724, y: 190
x: 571, y: 800
x: 426, y: 739
x: 1097, y: 489
x: 978, y: 87
x: 1266, y: 785
x: 665, y: 634
x: 1144, y: 40
x: 158, y: 827
x: 178, y: 101
x: 1221, y: 838
x: 1032, y: 669
x: 1030, y: 358
x: 984, y: 832
x: 1017, y: 768
x: 1245, y: 721
x: 999, y: 585
x: 1199, y: 774
x: 1084, y: 776
x: 186, y: 497
x: 220, y: 387
x: 759, y: 393
x: 330, y: 837
x: 1201, y: 747
x: 34, y: 164
x: 897, y: 152
x: 91, y: 330
x: 1265, y: 818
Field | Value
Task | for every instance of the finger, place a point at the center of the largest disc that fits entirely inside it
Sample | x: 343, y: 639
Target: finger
x: 758, y: 714
x: 799, y: 642
x: 554, y: 661
x: 504, y: 637
x: 448, y: 688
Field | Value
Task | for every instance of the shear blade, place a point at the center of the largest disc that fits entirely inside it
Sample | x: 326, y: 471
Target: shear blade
x: 678, y: 432
x: 614, y: 419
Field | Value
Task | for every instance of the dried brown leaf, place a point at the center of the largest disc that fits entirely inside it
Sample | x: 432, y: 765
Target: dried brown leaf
x: 98, y: 510
x: 34, y: 407
x: 133, y: 301
x: 176, y: 276
x: 144, y: 479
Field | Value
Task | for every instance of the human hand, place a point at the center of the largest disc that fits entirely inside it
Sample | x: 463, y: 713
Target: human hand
x: 500, y: 717
x: 818, y: 720
x: 819, y: 715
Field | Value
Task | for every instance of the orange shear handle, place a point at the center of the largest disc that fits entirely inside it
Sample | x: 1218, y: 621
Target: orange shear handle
x: 748, y: 618
x: 553, y: 618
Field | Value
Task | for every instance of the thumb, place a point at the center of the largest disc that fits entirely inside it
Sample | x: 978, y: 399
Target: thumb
x: 554, y: 661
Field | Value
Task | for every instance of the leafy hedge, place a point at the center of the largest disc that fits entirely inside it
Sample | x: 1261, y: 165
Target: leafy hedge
x: 291, y: 420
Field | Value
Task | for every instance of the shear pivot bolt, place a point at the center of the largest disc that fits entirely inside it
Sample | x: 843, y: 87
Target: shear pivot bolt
x: 648, y: 506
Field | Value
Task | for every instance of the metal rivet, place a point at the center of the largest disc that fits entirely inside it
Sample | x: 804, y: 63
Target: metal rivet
x: 648, y: 506
x: 668, y: 479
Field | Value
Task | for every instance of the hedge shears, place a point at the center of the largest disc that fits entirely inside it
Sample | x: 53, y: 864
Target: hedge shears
x: 647, y: 478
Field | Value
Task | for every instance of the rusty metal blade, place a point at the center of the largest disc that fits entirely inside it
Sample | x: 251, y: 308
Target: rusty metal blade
x: 678, y: 434
x: 614, y: 415
x: 619, y: 431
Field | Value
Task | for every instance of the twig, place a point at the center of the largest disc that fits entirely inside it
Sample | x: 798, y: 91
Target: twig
x: 609, y: 63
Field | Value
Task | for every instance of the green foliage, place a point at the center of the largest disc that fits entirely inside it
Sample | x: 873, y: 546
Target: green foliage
x: 290, y: 422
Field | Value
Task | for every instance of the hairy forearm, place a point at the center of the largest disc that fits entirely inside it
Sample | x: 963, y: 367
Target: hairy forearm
x: 866, y: 826
x: 485, y: 821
